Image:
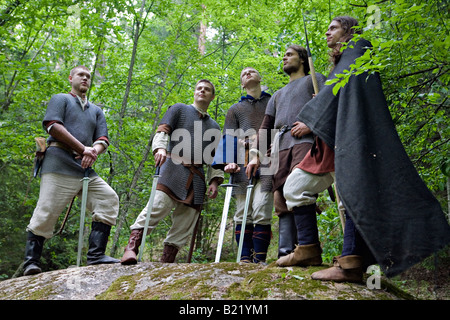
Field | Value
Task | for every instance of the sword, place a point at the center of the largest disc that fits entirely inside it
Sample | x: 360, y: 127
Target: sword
x: 223, y: 223
x: 149, y: 211
x: 83, y: 213
x: 244, y: 218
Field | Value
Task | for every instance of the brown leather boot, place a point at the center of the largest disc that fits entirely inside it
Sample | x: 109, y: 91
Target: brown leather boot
x: 169, y: 254
x: 345, y: 269
x: 132, y: 248
x: 303, y: 255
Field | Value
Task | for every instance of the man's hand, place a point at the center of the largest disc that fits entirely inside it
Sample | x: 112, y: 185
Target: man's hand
x: 232, y: 168
x: 252, y: 167
x: 160, y: 156
x: 88, y: 157
x: 213, y: 189
x: 299, y: 129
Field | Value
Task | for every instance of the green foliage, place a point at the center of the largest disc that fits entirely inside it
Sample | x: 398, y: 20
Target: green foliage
x: 40, y: 41
x: 330, y: 228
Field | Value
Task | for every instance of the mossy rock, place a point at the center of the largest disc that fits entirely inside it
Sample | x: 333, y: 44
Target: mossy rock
x: 182, y: 281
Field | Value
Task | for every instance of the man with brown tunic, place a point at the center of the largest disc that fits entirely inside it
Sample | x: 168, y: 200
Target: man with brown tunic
x: 290, y: 147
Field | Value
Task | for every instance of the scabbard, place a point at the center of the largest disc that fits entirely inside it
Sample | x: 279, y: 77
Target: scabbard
x: 40, y: 153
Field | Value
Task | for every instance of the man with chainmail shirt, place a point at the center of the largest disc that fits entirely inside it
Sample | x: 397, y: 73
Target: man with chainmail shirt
x: 180, y: 147
x: 242, y: 121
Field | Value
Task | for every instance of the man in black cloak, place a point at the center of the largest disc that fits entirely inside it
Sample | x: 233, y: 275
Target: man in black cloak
x: 394, y: 214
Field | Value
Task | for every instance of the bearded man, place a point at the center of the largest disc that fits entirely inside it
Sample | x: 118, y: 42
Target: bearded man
x: 289, y: 147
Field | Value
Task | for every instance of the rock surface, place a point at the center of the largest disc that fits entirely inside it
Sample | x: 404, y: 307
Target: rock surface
x: 210, y: 281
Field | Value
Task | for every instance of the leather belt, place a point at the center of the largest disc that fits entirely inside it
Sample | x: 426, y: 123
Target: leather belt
x: 62, y: 146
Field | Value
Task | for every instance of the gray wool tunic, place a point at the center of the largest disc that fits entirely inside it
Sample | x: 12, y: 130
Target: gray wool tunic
x: 85, y: 125
x: 286, y: 104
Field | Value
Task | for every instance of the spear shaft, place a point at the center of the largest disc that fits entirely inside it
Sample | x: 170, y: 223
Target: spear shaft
x: 310, y: 60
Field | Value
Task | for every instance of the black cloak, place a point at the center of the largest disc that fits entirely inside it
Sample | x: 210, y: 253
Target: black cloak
x: 397, y: 216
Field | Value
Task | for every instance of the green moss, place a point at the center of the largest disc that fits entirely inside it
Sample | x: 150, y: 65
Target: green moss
x: 271, y: 281
x: 225, y: 280
x: 41, y: 294
x: 193, y: 282
x: 121, y: 289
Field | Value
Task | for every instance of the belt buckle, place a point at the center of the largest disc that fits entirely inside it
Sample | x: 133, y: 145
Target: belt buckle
x: 284, y: 128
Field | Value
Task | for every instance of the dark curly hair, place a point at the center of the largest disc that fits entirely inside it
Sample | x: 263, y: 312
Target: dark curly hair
x: 348, y: 24
x: 303, y: 54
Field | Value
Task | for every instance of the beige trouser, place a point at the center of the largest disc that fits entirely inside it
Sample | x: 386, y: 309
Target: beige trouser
x: 260, y: 207
x: 301, y: 187
x: 184, y: 219
x: 57, y: 190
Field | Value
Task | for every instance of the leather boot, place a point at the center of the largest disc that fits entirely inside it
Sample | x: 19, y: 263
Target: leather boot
x: 132, y: 248
x: 306, y: 224
x: 303, y: 255
x: 344, y: 269
x: 247, y: 245
x: 98, y: 240
x: 169, y: 254
x: 287, y: 238
x: 33, y: 252
x: 261, y: 240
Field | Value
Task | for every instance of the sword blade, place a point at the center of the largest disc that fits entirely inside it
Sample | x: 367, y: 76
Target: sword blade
x: 223, y: 222
x: 82, y: 215
x: 149, y: 211
x: 244, y: 220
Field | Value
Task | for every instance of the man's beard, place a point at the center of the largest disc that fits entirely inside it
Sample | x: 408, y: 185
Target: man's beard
x: 82, y: 88
x: 290, y: 69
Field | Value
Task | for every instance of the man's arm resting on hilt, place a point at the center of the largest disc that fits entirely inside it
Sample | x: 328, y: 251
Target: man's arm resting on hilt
x: 88, y: 154
x: 232, y: 168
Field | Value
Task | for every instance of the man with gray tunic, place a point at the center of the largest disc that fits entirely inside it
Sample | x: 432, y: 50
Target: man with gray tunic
x: 185, y: 141
x: 242, y: 121
x: 78, y: 133
x: 289, y: 147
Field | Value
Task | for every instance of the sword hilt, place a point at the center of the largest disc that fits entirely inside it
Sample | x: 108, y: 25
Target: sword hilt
x: 251, y: 182
x: 230, y: 182
x: 157, y: 170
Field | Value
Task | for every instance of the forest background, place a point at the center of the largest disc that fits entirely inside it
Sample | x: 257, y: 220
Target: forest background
x: 147, y: 55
